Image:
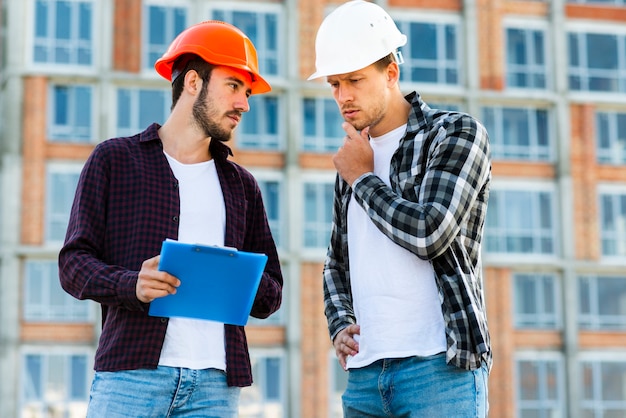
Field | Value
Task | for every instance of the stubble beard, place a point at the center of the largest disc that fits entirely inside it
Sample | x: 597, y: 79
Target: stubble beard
x: 205, y: 115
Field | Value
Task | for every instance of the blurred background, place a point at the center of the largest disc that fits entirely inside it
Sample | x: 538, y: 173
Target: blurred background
x: 547, y: 78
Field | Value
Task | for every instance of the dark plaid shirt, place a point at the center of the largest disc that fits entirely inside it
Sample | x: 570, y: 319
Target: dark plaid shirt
x: 126, y: 204
x: 435, y: 208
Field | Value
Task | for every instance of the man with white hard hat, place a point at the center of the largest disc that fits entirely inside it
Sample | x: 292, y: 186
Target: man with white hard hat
x: 403, y: 286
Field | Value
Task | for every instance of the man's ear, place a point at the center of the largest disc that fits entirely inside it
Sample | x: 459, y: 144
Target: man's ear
x: 393, y: 73
x: 193, y: 82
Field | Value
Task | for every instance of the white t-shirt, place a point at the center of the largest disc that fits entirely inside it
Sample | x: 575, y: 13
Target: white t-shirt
x: 192, y: 343
x: 395, y: 296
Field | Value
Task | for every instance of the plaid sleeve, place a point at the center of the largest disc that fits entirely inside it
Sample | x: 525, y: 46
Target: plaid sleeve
x: 336, y: 283
x: 423, y: 212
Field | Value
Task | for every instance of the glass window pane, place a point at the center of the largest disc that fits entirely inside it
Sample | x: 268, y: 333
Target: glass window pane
x: 450, y: 42
x: 84, y: 22
x: 529, y: 380
x: 33, y: 389
x: 61, y: 105
x: 272, y: 381
x: 63, y: 20
x: 602, y: 51
x: 151, y: 107
x: 424, y: 41
x: 41, y: 19
x: 83, y: 107
x: 78, y: 375
x: 157, y: 23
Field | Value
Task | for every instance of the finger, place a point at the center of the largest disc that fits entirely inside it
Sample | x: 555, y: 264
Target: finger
x: 365, y: 133
x: 350, y: 130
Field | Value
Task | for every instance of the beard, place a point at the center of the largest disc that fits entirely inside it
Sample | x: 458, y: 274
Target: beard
x: 205, y: 116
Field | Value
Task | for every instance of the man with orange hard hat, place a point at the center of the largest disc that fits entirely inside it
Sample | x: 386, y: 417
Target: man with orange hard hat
x: 172, y: 181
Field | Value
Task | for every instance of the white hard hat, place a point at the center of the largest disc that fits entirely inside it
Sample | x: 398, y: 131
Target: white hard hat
x: 356, y: 34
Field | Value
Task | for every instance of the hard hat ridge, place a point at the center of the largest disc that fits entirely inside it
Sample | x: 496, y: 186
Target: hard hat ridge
x: 356, y: 34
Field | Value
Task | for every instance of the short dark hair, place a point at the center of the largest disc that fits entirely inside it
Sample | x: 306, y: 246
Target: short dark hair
x: 182, y: 65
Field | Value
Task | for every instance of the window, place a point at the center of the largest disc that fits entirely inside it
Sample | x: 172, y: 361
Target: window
x: 275, y: 319
x: 61, y: 187
x: 70, y: 113
x: 268, y: 396
x: 260, y: 127
x: 45, y: 300
x: 600, y: 2
x: 431, y: 54
x: 446, y: 106
x: 322, y: 125
x: 612, y: 210
x: 263, y: 29
x: 318, y: 203
x: 611, y: 134
x: 519, y: 133
x: 161, y: 25
x: 536, y: 298
x: 337, y: 385
x: 540, y: 385
x: 597, y: 62
x: 63, y: 32
x: 521, y: 222
x: 55, y: 383
x: 603, y: 387
x: 271, y: 191
x: 139, y: 108
x: 602, y: 301
x: 525, y: 58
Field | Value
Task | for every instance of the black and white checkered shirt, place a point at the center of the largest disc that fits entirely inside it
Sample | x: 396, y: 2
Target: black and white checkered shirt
x: 435, y: 208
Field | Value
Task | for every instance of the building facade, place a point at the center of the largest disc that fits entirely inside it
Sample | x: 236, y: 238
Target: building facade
x: 547, y: 78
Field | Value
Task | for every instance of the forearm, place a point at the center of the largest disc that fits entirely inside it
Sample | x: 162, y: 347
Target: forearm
x: 85, y: 277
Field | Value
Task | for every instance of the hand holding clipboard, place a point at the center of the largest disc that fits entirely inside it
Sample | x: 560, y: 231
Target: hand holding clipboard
x: 217, y: 283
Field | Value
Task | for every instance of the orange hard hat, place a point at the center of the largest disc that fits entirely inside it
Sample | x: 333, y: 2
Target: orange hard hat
x: 217, y: 43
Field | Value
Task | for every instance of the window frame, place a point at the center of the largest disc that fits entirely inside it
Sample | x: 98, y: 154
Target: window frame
x: 262, y: 53
x: 534, y: 151
x: 615, y: 155
x: 264, y: 141
x: 63, y: 68
x: 616, y: 191
x: 48, y: 352
x: 135, y: 92
x: 440, y: 20
x: 583, y: 30
x: 63, y: 133
x: 259, y: 386
x: 71, y: 311
x: 528, y: 25
x: 597, y: 359
x: 147, y: 48
x: 315, y: 226
x: 542, y: 319
x: 542, y: 358
x: 58, y: 168
x: 532, y: 186
x: 596, y: 320
x: 320, y: 143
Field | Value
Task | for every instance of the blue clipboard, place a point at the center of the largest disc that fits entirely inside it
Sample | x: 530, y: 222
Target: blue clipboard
x: 217, y: 283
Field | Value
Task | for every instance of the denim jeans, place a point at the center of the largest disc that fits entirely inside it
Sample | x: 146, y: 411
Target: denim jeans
x: 413, y: 387
x: 163, y: 392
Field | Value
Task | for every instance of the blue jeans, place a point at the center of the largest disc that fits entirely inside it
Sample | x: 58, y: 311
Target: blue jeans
x: 162, y: 392
x: 413, y: 387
